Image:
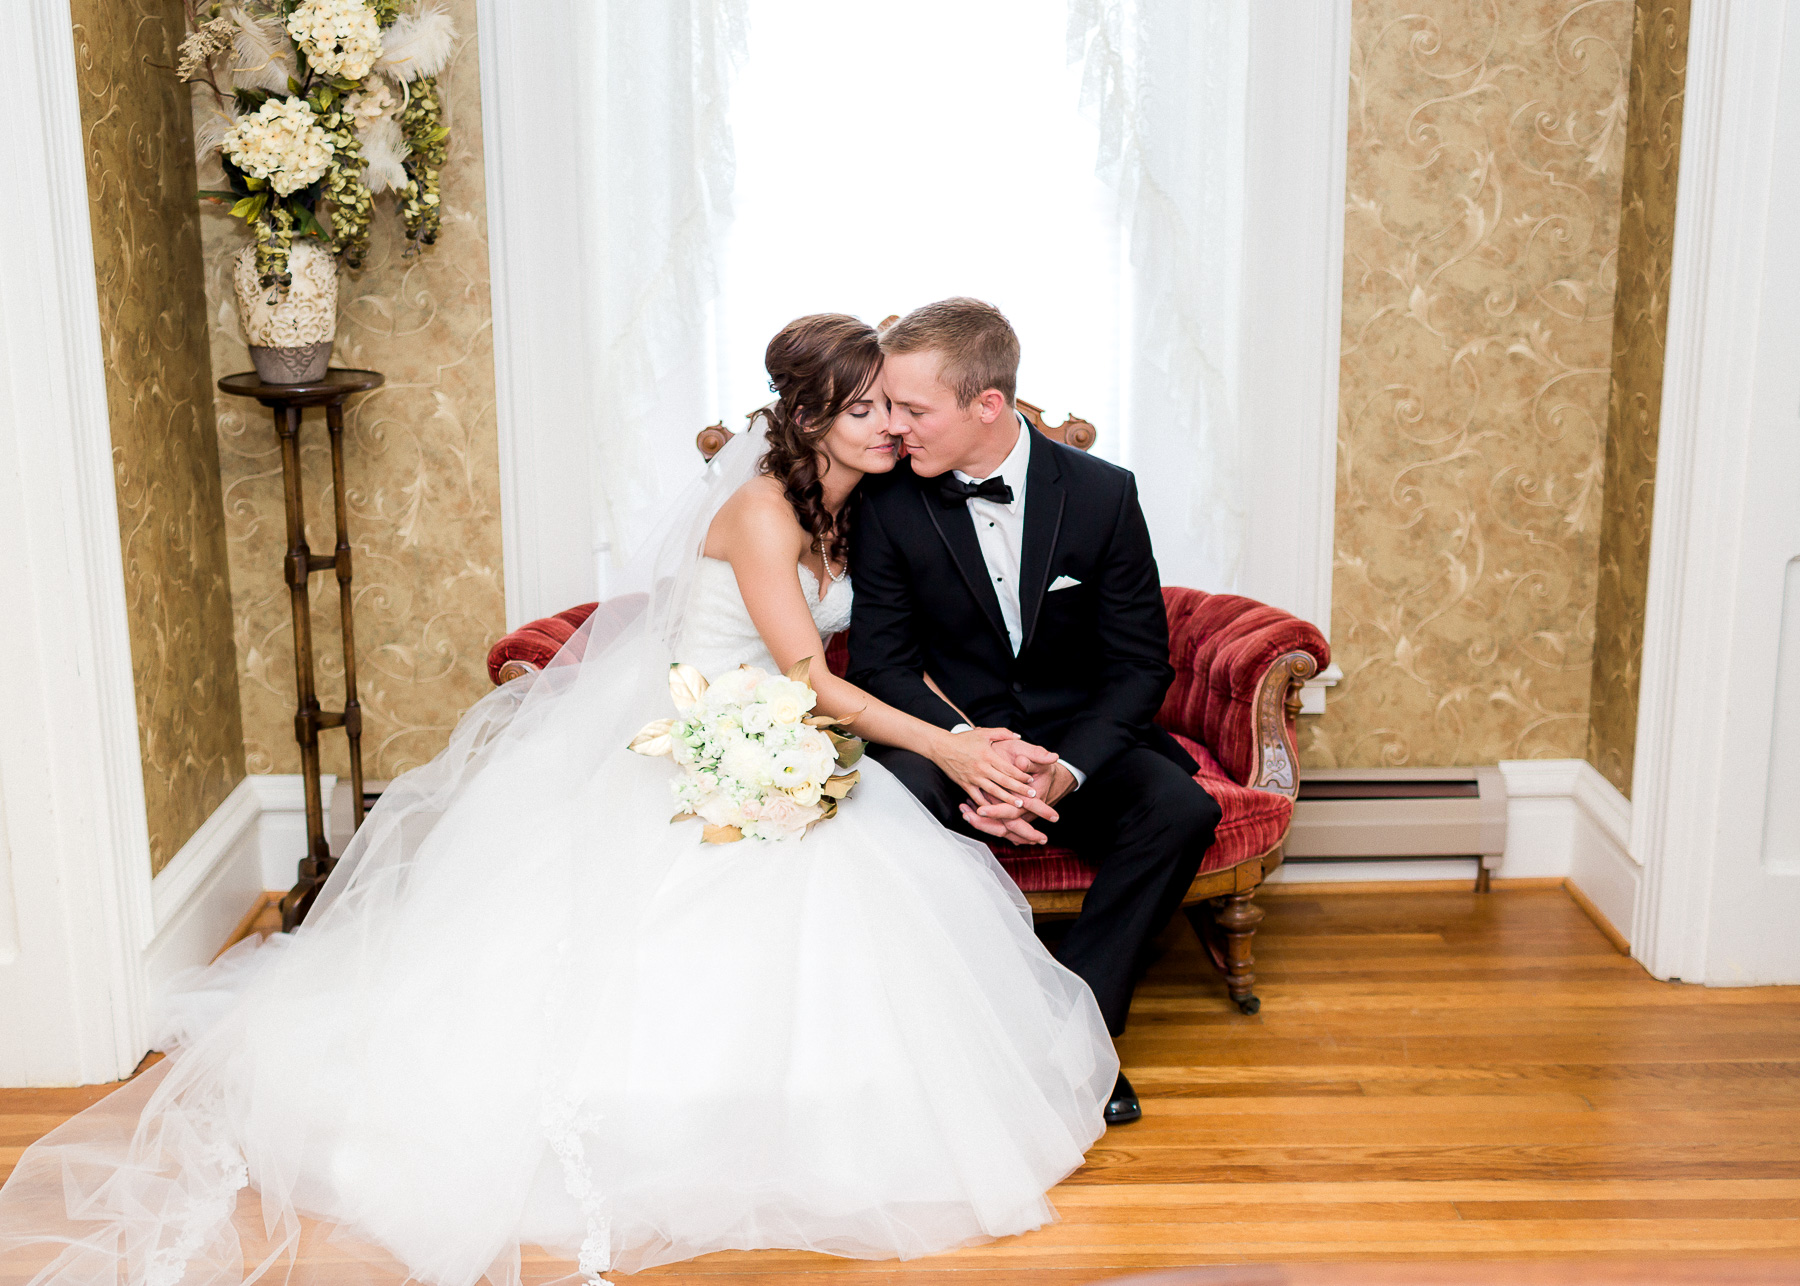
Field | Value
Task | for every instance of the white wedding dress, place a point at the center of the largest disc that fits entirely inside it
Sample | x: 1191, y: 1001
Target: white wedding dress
x: 529, y: 1011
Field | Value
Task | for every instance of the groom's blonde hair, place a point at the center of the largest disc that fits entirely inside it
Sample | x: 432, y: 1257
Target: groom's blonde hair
x: 975, y: 344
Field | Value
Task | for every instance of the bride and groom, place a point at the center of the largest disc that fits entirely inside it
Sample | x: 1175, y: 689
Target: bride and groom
x: 528, y: 1010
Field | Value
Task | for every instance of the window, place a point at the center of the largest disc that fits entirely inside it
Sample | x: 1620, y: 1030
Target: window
x: 888, y: 157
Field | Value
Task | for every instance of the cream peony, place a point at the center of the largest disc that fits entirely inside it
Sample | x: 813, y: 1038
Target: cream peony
x: 281, y: 141
x: 338, y: 37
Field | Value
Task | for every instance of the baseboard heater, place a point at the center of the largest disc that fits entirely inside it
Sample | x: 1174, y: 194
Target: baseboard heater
x: 1398, y: 813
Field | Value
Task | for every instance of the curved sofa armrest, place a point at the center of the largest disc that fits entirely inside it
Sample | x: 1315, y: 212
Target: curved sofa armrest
x: 1239, y: 666
x: 530, y: 647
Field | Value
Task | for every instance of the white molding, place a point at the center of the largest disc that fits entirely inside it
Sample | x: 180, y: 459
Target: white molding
x: 69, y: 763
x: 249, y: 846
x: 1713, y: 593
x: 1362, y: 870
x: 1564, y: 819
x: 281, y: 824
x: 543, y: 414
x: 233, y: 821
x: 1297, y: 120
x: 207, y: 887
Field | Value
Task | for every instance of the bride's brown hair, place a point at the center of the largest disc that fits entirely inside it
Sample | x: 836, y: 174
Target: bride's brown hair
x: 818, y: 366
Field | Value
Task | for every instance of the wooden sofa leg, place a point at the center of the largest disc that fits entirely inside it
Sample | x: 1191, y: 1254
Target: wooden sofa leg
x: 1238, y: 917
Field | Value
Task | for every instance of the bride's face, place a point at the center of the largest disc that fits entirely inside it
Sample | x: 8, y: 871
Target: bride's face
x: 858, y: 439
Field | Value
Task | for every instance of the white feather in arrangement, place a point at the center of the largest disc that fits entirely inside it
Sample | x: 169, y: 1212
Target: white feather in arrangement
x: 418, y: 44
x: 260, y: 54
x: 210, y: 124
x: 384, y: 150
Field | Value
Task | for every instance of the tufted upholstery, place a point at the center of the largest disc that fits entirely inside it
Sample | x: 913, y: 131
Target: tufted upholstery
x: 537, y: 642
x: 1221, y: 646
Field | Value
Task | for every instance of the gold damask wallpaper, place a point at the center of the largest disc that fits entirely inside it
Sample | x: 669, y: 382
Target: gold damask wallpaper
x: 420, y: 458
x: 1485, y: 157
x: 1640, y: 323
x: 140, y: 175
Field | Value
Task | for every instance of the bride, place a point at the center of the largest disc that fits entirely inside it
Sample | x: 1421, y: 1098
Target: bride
x: 528, y: 1011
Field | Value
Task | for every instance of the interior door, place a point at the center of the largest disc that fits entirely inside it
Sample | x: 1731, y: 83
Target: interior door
x: 1753, y: 930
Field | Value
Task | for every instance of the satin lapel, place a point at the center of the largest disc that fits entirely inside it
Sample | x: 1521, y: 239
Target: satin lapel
x: 958, y: 532
x: 1044, y: 500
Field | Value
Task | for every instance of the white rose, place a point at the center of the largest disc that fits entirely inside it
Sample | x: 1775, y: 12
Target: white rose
x: 806, y: 794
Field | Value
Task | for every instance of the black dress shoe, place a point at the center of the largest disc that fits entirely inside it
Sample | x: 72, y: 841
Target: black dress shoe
x: 1122, y: 1108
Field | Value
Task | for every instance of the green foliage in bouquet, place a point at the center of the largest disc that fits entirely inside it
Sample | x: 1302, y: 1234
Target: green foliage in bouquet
x: 319, y: 106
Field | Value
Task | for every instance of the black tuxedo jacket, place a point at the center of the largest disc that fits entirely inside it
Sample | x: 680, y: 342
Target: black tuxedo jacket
x: 1093, y: 665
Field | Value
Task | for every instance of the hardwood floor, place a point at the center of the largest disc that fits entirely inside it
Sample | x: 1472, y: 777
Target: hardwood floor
x: 1433, y: 1075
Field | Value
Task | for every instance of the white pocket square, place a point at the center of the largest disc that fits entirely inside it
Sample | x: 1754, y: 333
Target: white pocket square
x: 1063, y: 582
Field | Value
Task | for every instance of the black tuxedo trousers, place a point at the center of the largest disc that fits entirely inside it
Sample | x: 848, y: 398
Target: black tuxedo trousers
x: 1089, y: 676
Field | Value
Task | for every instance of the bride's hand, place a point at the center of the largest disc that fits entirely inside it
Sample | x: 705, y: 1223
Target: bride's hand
x: 980, y: 760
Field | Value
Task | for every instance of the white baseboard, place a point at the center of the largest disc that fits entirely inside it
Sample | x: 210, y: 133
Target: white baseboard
x: 282, y: 827
x: 1357, y: 870
x: 252, y: 843
x: 199, y: 897
x: 1564, y: 819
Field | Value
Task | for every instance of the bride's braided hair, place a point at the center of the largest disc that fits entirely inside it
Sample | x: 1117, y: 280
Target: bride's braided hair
x: 817, y: 365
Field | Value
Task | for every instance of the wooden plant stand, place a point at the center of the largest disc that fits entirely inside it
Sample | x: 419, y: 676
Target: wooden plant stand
x: 287, y: 401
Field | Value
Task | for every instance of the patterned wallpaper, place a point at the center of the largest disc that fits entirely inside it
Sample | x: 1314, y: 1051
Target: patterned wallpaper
x: 420, y: 462
x: 1646, y: 248
x: 1485, y: 156
x: 140, y: 174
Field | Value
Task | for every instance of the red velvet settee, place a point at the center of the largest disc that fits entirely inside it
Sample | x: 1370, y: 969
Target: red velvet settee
x: 1239, y: 666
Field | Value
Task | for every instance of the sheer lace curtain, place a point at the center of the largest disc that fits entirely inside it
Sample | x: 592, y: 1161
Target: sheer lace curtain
x: 653, y: 178
x: 1166, y: 82
x: 841, y: 167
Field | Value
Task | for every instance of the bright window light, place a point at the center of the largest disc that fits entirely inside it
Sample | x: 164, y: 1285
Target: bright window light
x: 887, y: 157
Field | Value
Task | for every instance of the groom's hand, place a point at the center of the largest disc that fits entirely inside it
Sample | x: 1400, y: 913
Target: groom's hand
x: 1013, y: 822
x: 1002, y: 821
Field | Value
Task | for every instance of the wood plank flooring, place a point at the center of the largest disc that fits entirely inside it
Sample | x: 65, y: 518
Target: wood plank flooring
x: 1435, y: 1075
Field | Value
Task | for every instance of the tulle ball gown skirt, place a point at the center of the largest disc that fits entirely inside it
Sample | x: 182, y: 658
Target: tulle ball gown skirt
x: 565, y: 1023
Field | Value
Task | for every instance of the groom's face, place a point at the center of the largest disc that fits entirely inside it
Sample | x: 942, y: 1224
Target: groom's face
x: 939, y: 435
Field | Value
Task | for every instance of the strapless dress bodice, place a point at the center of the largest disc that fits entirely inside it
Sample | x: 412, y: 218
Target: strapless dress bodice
x: 720, y: 635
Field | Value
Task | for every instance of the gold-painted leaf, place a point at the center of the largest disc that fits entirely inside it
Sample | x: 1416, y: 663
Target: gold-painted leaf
x: 721, y: 834
x: 686, y: 685
x: 822, y: 721
x: 679, y: 817
x: 850, y: 752
x: 653, y: 738
x: 839, y: 786
x: 830, y: 806
x: 800, y: 669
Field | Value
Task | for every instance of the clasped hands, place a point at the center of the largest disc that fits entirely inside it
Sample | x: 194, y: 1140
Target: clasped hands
x: 1011, y: 783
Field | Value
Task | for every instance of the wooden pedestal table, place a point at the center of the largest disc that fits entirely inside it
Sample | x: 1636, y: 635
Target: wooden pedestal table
x: 287, y: 401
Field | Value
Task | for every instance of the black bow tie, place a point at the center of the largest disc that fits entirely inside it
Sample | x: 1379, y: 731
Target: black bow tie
x: 952, y: 491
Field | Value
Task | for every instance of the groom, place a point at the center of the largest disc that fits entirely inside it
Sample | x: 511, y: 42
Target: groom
x: 1017, y: 573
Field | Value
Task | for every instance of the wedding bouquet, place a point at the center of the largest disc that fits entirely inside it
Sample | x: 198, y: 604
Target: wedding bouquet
x: 755, y: 762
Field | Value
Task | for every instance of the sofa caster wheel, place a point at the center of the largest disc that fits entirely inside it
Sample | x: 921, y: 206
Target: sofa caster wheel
x: 1249, y: 1005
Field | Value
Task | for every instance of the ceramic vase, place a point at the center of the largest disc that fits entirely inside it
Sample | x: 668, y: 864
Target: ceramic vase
x: 290, y: 329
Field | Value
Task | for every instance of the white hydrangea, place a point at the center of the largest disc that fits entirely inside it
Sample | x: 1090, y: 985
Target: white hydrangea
x: 338, y: 37
x: 281, y: 141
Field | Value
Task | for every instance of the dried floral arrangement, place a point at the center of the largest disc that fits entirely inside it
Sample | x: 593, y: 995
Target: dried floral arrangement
x: 319, y: 105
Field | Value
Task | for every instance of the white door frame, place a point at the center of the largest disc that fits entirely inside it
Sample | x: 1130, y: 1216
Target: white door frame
x: 75, y: 908
x: 1701, y: 778
x: 1293, y: 296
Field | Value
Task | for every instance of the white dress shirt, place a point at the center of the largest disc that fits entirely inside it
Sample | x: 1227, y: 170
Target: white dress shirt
x: 1000, y: 531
